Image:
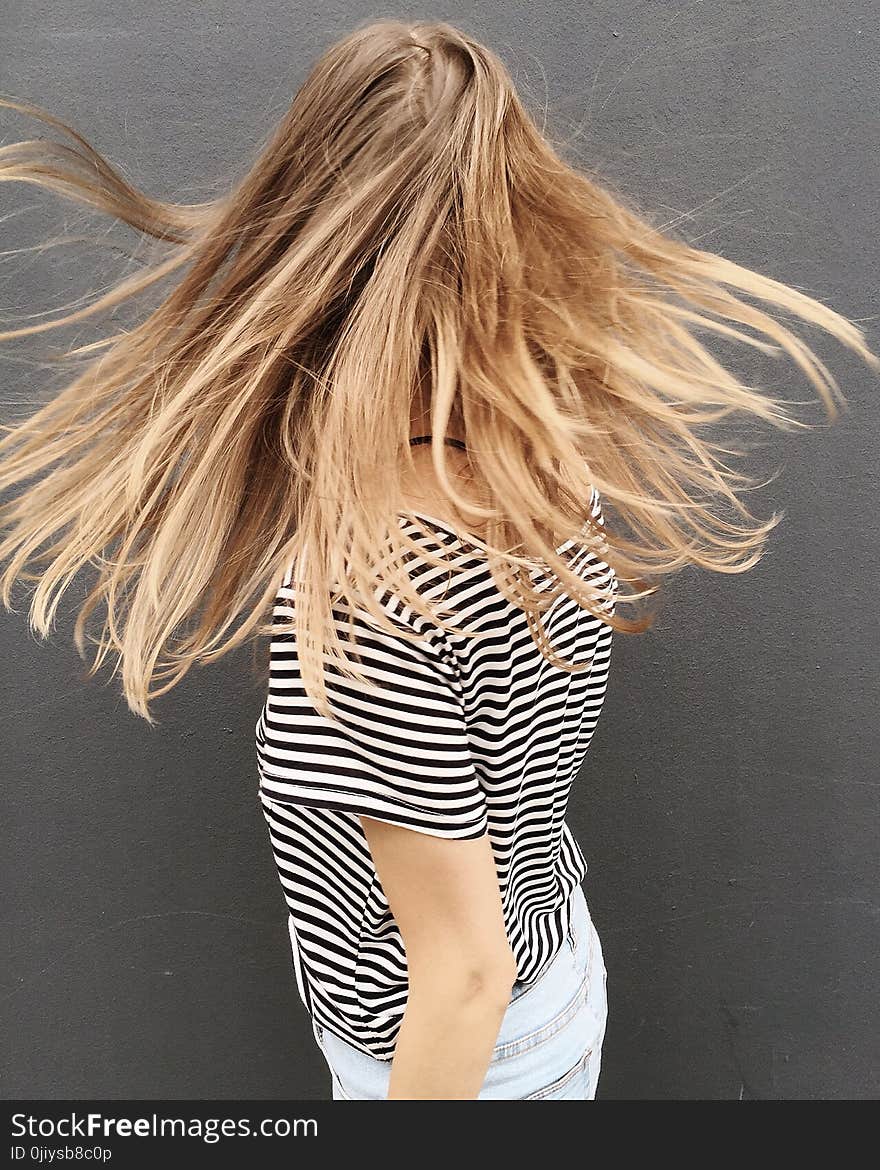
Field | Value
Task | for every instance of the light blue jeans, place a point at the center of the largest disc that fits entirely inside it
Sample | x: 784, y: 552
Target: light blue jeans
x: 549, y: 1045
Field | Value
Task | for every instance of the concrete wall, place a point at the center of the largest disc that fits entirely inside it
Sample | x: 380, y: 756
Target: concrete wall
x: 729, y: 802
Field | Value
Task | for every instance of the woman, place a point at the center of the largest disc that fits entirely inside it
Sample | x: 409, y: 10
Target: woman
x: 404, y: 368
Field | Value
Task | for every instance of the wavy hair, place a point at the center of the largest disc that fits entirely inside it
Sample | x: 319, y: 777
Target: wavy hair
x: 405, y: 230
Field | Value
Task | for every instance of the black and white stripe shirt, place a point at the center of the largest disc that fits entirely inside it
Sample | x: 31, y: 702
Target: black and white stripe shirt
x: 464, y: 736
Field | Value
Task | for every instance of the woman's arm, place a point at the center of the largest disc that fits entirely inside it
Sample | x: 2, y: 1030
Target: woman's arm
x: 445, y: 898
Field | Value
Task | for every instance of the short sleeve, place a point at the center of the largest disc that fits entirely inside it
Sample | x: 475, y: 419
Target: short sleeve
x: 398, y: 753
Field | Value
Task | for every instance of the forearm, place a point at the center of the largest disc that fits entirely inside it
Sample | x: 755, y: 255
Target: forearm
x: 445, y: 1041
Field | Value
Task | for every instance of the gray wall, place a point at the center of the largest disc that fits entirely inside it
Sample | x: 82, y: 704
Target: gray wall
x: 729, y: 803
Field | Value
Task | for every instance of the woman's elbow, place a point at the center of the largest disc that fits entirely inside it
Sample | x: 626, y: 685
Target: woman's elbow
x: 493, y: 981
x: 478, y: 979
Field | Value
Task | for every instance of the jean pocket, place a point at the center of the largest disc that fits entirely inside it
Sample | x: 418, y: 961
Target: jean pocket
x: 537, y: 1034
x: 572, y: 1084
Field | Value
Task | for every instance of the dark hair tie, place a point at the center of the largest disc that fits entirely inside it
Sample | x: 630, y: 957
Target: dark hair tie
x: 427, y: 439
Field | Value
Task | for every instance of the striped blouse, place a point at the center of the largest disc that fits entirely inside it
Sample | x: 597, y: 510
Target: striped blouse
x: 464, y: 736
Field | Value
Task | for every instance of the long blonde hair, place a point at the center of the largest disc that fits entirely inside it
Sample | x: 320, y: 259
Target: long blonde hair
x: 405, y: 229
